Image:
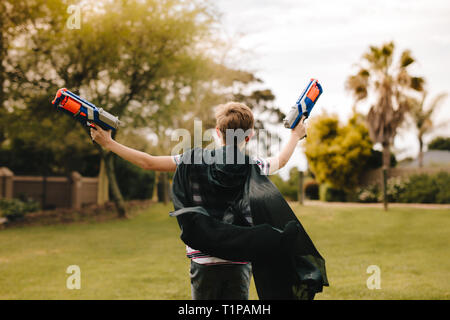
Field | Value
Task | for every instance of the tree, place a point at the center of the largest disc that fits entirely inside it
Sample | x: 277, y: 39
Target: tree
x: 17, y: 17
x: 421, y: 115
x: 137, y: 59
x: 439, y: 143
x: 148, y: 62
x: 337, y: 154
x: 390, y: 82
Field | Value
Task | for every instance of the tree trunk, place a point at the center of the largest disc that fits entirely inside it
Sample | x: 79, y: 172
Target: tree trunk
x: 420, y: 152
x: 163, y: 188
x: 386, y: 155
x: 2, y: 75
x: 385, y: 171
x: 300, y: 187
x: 113, y: 185
x: 103, y: 184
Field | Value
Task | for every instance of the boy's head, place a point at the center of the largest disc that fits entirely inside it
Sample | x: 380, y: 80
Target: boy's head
x: 236, y: 116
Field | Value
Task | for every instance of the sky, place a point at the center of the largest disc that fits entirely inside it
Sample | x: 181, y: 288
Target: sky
x: 287, y: 42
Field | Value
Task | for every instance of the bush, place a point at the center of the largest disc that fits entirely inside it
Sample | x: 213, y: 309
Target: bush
x: 134, y: 182
x: 15, y: 209
x: 443, y: 183
x: 395, y: 188
x: 418, y: 188
x: 440, y: 143
x: 330, y: 194
x: 289, y: 189
x: 423, y: 188
x: 311, y: 190
x: 369, y: 194
x: 376, y: 160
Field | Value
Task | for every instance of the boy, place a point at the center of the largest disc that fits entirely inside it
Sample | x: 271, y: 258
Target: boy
x: 212, y: 277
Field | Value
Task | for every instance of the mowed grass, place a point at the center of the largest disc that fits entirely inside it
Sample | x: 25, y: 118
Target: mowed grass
x: 143, y: 257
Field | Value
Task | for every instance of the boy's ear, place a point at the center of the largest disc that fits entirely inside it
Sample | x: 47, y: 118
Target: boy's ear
x: 219, y: 134
x: 247, y: 138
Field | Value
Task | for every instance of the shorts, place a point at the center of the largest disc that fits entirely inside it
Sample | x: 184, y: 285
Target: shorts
x: 220, y: 282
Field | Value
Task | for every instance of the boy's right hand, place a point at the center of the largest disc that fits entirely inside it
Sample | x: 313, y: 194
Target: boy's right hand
x: 102, y: 137
x: 300, y: 129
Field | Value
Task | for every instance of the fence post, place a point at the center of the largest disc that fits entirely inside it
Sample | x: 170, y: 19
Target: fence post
x: 6, y: 183
x: 76, y: 186
x: 385, y: 200
x: 102, y: 184
x: 300, y: 187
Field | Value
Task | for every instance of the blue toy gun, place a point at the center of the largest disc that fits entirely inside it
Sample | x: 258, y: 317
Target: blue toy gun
x: 304, y: 104
x: 84, y: 111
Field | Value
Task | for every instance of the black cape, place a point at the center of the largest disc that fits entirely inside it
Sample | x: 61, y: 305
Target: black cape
x: 285, y: 263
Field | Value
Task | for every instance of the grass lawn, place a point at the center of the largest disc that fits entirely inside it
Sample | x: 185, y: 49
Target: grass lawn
x: 143, y: 258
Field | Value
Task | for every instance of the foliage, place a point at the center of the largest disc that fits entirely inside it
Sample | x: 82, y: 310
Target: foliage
x: 439, y: 143
x: 289, y: 188
x: 15, y: 209
x: 23, y: 157
x: 369, y: 194
x: 390, y: 81
x: 330, y: 194
x: 376, y: 160
x: 154, y: 63
x: 423, y: 188
x: 338, y: 154
x: 134, y: 182
x: 396, y: 187
x: 421, y: 116
x: 311, y: 190
x: 417, y: 188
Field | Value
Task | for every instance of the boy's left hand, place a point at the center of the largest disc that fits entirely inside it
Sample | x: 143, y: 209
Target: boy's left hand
x: 300, y: 129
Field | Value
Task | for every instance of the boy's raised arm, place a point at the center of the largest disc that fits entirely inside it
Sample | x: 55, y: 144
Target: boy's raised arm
x: 279, y: 161
x: 139, y: 158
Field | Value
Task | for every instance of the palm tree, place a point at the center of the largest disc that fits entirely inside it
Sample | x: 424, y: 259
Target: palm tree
x: 421, y: 116
x: 390, y: 83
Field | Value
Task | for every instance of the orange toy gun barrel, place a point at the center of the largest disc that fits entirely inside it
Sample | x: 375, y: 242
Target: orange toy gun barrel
x: 84, y: 111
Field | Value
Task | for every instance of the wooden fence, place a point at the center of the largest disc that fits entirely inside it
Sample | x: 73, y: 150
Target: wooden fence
x: 74, y: 191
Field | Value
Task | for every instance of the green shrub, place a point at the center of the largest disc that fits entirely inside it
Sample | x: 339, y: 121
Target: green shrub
x: 440, y: 143
x: 330, y: 194
x: 311, y: 190
x: 289, y: 189
x: 417, y: 188
x: 15, y: 209
x: 395, y: 188
x: 423, y: 188
x: 134, y: 182
x: 443, y: 183
x: 369, y: 194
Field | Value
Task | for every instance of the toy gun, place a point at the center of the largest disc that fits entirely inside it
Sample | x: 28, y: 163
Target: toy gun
x: 84, y: 111
x: 304, y: 104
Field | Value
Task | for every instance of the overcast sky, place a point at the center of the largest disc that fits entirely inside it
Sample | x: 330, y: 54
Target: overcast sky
x: 293, y: 40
